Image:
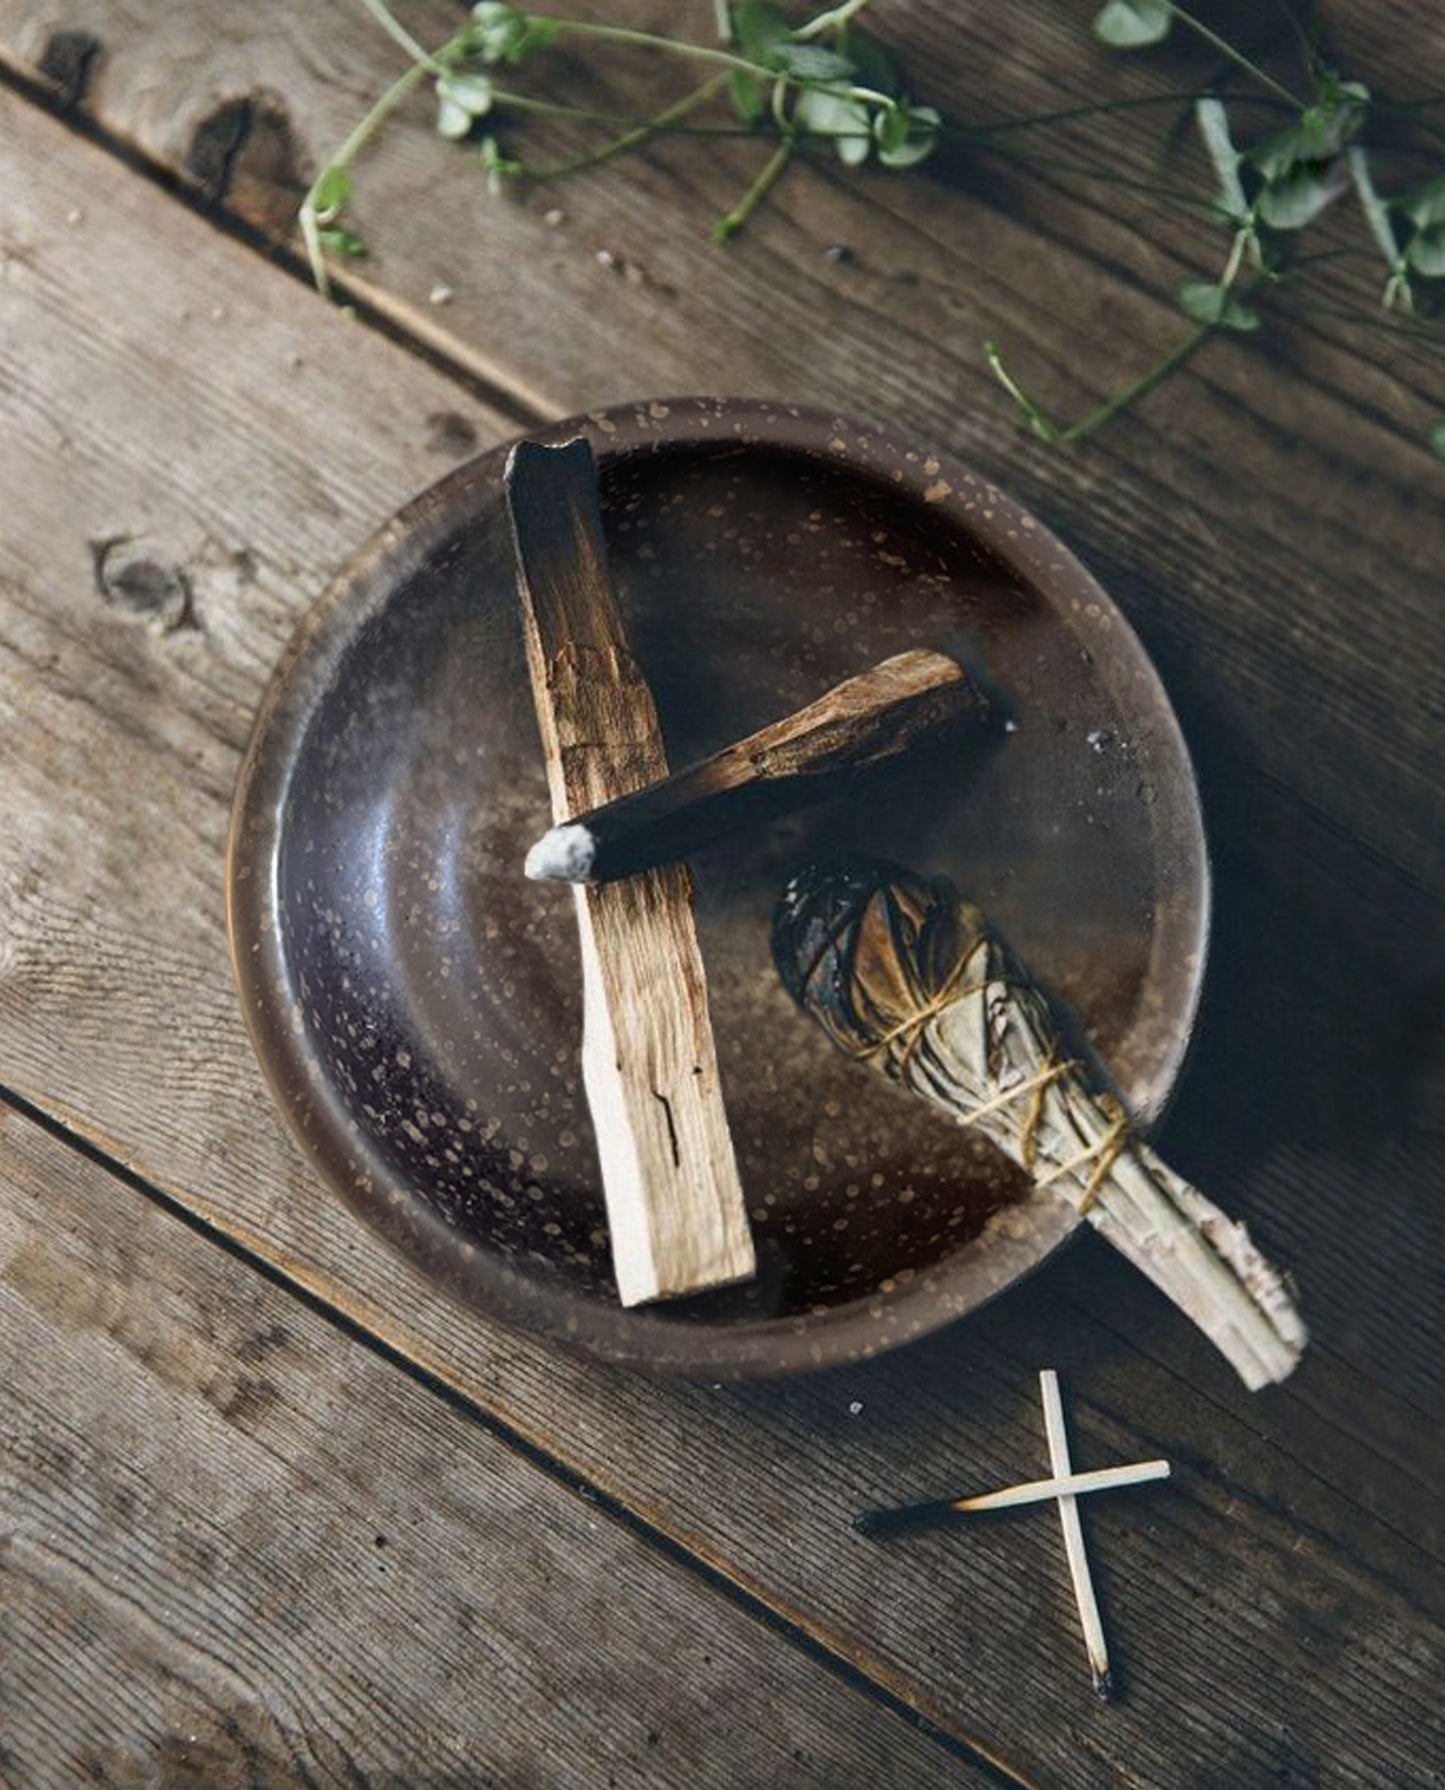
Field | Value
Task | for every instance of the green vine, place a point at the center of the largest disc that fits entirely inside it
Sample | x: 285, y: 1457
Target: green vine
x: 822, y: 80
x: 1267, y: 193
x: 825, y: 81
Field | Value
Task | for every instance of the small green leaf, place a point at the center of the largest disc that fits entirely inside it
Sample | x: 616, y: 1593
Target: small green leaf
x: 461, y: 99
x: 1398, y: 293
x: 1214, y: 129
x: 1207, y: 302
x: 809, y: 62
x: 1425, y: 205
x: 1297, y: 198
x: 906, y: 134
x: 1276, y: 156
x: 497, y: 165
x: 330, y: 194
x: 1426, y: 253
x: 540, y: 32
x: 757, y: 29
x: 489, y: 154
x: 828, y: 112
x: 497, y: 33
x: 871, y: 64
x: 472, y: 92
x: 1334, y: 92
x: 747, y: 95
x: 890, y: 126
x: 1133, y: 24
x: 1436, y: 438
x: 345, y: 243
x: 453, y: 121
x: 1377, y: 213
x: 1319, y: 136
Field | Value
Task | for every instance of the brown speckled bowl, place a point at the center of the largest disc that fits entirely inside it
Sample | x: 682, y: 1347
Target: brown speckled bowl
x: 415, y: 1002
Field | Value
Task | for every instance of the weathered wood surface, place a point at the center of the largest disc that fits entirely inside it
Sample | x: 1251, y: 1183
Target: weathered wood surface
x: 349, y: 1581
x: 1253, y: 490
x: 1302, y: 1527
x: 649, y: 1063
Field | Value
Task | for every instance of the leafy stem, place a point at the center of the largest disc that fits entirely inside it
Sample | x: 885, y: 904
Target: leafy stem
x: 832, y: 20
x: 331, y: 188
x: 816, y: 91
x: 399, y: 34
x: 638, y: 134
x: 825, y: 82
x: 650, y: 40
x: 1232, y: 53
x: 732, y: 221
x: 1094, y: 109
x: 1048, y: 431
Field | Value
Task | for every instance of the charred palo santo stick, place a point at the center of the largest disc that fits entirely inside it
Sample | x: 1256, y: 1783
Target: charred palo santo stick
x: 903, y: 1519
x: 674, y: 1202
x: 861, y: 722
x: 906, y: 977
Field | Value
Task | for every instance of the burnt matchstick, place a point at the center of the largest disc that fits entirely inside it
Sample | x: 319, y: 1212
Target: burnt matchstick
x: 861, y: 722
x: 1065, y: 1487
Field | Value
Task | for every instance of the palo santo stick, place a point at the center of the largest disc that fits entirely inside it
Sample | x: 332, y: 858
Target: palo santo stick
x: 674, y: 1202
x: 907, y: 1517
x: 860, y: 722
x: 1088, y: 1603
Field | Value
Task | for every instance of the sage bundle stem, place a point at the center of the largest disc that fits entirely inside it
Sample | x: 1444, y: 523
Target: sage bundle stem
x: 910, y: 979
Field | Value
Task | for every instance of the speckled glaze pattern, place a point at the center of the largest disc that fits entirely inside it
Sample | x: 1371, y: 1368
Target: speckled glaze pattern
x: 415, y: 1002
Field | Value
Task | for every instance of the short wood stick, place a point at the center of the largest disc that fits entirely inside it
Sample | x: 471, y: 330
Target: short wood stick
x: 674, y: 1202
x: 861, y: 722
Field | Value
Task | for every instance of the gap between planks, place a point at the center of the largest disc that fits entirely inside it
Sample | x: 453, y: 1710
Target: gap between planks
x: 869, y: 1678
x: 477, y: 373
x: 194, y: 1481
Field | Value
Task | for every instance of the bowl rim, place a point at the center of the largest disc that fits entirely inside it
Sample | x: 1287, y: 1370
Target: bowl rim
x: 317, y: 1118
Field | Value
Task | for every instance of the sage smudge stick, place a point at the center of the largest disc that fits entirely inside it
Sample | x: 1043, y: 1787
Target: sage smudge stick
x: 907, y: 977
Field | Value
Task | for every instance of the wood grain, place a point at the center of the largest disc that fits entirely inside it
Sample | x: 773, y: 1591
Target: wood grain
x: 649, y: 1064
x: 1248, y: 493
x: 349, y: 1581
x: 1275, y: 1613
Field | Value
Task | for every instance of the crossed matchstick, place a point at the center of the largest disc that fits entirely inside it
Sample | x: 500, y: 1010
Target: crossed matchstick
x: 1067, y: 1487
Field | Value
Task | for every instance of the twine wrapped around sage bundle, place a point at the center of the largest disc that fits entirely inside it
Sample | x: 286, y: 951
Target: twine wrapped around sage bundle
x: 908, y: 978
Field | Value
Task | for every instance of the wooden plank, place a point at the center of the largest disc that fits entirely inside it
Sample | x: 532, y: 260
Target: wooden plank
x: 1237, y: 516
x: 1299, y: 1527
x: 236, y: 1549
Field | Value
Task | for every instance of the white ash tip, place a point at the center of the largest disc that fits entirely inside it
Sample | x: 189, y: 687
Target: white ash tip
x: 564, y: 855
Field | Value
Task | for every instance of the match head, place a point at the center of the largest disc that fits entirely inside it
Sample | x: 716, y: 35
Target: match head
x: 566, y: 854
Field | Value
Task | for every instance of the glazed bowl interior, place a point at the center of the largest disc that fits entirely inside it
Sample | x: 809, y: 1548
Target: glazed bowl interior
x: 416, y: 1003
